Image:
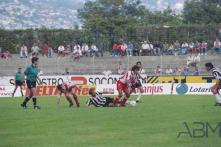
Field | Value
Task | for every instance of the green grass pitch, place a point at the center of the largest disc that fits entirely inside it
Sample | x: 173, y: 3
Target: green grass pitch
x: 155, y: 122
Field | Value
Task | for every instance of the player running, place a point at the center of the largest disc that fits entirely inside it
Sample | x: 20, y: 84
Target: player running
x: 138, y: 84
x: 31, y: 73
x: 97, y: 100
x: 124, y: 85
x: 67, y: 89
x: 216, y: 72
x: 18, y: 82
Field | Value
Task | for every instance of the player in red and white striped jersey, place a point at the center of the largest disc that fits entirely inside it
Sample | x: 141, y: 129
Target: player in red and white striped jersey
x: 67, y: 88
x: 124, y: 85
x: 216, y: 72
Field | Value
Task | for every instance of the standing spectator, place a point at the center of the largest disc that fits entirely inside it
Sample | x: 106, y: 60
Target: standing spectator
x: 177, y: 47
x: 157, y: 71
x: 23, y: 51
x: 129, y: 49
x: 169, y: 70
x: 203, y: 50
x: 216, y: 46
x: 45, y: 50
x: 50, y: 51
x: 61, y: 50
x: 34, y: 50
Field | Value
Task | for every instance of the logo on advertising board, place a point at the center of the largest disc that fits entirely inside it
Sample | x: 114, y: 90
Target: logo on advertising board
x: 182, y: 88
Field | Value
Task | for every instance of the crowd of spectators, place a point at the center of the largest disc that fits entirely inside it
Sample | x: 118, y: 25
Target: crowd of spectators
x: 147, y: 48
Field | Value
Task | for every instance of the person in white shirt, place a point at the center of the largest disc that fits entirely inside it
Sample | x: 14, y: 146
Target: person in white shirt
x: 146, y: 48
x: 184, y: 48
x: 24, y: 51
x: 94, y: 50
x: 157, y: 71
x: 35, y: 50
x: 61, y: 50
x: 85, y: 49
x: 169, y: 70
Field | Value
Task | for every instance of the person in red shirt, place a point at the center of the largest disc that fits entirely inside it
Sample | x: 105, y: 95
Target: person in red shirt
x: 45, y: 49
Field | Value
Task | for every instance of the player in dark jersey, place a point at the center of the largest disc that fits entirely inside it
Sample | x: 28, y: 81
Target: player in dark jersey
x: 19, y: 82
x: 216, y: 72
x: 138, y: 84
x: 67, y: 90
x: 31, y: 73
x: 97, y: 100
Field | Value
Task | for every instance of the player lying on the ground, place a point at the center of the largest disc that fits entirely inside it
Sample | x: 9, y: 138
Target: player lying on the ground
x: 124, y: 85
x: 216, y: 72
x: 138, y: 84
x: 97, y: 100
x: 68, y: 90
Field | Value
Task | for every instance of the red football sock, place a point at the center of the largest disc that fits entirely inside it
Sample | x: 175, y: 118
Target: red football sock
x: 76, y: 101
x: 122, y: 103
x: 69, y: 100
x: 116, y: 101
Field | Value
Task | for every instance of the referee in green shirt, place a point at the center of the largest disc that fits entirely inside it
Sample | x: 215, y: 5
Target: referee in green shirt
x: 18, y: 81
x: 31, y: 73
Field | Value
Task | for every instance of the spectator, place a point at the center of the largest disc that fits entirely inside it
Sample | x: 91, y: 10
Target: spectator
x: 121, y: 69
x: 169, y: 70
x: 203, y: 50
x: 45, y: 50
x: 66, y: 72
x: 77, y: 53
x: 107, y: 72
x: 136, y: 50
x: 177, y: 47
x: 165, y: 49
x: 50, y: 51
x: 85, y: 49
x: 196, y: 71
x: 184, y: 48
x: 216, y: 46
x: 146, y: 48
x: 34, y: 50
x: 185, y: 71
x: 115, y: 49
x: 100, y: 47
x: 156, y: 48
x: 94, y: 51
x: 177, y: 71
x: 129, y: 49
x: 61, y: 50
x: 171, y: 49
x: 23, y: 51
x: 157, y: 71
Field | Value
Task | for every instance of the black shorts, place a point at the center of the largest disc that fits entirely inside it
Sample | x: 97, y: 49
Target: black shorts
x: 108, y: 101
x: 137, y: 85
x: 18, y: 83
x: 31, y: 84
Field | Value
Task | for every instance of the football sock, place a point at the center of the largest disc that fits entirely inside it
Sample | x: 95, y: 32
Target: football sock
x: 218, y: 98
x: 139, y: 97
x: 76, y: 101
x: 116, y: 101
x: 122, y: 103
x: 26, y: 101
x: 69, y: 100
x: 34, y: 99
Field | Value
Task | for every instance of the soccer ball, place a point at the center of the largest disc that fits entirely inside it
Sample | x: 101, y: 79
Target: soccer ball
x: 132, y: 103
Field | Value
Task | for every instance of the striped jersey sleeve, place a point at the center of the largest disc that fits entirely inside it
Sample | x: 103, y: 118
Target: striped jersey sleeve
x: 216, y: 73
x: 97, y: 100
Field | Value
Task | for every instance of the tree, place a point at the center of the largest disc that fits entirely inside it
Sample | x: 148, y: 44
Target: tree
x: 202, y: 11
